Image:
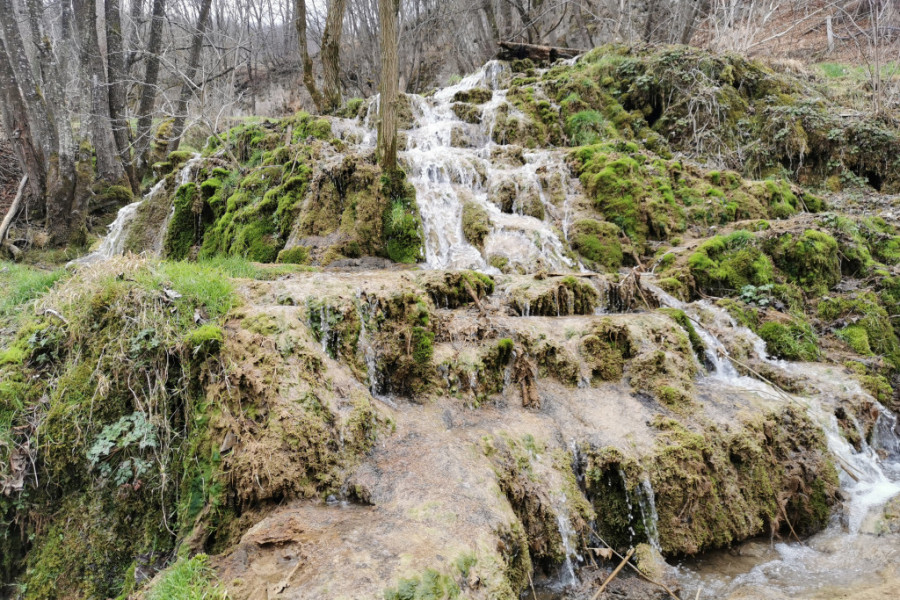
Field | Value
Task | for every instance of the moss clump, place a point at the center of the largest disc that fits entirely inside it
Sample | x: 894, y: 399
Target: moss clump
x: 605, y: 348
x: 298, y: 255
x: 117, y: 195
x: 476, y: 224
x: 453, y: 289
x: 587, y: 127
x: 792, y: 341
x: 728, y: 263
x: 182, y: 233
x: 863, y: 323
x: 555, y: 296
x: 473, y: 96
x: 715, y: 487
x: 205, y: 340
x: 598, y: 242
x: 430, y: 585
x: 402, y: 226
x: 810, y: 260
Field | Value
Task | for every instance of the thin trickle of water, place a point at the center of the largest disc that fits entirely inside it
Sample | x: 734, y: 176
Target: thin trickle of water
x: 569, y: 541
x: 649, y: 516
x: 365, y: 310
x: 113, y: 244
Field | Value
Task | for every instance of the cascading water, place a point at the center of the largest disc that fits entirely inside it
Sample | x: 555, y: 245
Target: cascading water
x: 113, y: 244
x: 451, y: 162
x: 845, y: 554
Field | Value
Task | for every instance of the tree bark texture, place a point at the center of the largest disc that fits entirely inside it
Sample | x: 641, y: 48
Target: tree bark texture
x: 331, y: 60
x: 388, y: 15
x: 109, y: 166
x: 148, y: 88
x: 115, y: 60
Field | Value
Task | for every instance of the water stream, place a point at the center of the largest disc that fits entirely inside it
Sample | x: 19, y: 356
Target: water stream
x: 113, y: 244
x: 855, y: 556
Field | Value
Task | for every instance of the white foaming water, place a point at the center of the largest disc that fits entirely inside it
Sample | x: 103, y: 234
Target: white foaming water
x: 451, y: 162
x: 845, y: 553
x: 113, y: 244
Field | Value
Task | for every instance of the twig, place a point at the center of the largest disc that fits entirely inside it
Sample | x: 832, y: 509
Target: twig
x: 613, y: 574
x: 14, y: 207
x: 636, y: 570
x: 784, y: 513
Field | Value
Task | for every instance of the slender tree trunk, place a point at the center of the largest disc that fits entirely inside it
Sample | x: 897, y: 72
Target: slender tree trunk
x: 148, y: 88
x: 331, y: 46
x: 18, y: 130
x: 309, y: 79
x: 388, y: 14
x: 135, y: 16
x: 115, y: 59
x: 40, y: 118
x: 187, y: 87
x: 109, y: 166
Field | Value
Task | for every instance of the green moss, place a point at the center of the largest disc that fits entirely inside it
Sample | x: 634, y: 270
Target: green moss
x: 597, y: 242
x: 857, y: 337
x: 182, y: 232
x: 453, y: 289
x: 430, y: 585
x: 118, y: 195
x: 728, y: 263
x: 473, y: 96
x: 298, y: 255
x: 810, y: 260
x: 205, y: 340
x: 793, y: 341
x: 680, y: 317
x: 476, y: 224
x: 402, y: 226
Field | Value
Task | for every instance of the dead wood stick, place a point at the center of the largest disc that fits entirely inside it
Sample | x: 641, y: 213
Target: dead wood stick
x: 14, y: 207
x: 474, y: 296
x: 784, y: 513
x: 613, y: 574
x: 636, y: 570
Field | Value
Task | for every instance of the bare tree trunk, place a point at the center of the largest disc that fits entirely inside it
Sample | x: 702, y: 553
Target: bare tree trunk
x: 309, y: 79
x: 148, y: 88
x: 17, y: 128
x: 115, y: 59
x: 187, y: 87
x: 109, y: 166
x: 40, y: 118
x: 137, y: 10
x: 331, y: 45
x: 34, y: 131
x: 388, y: 14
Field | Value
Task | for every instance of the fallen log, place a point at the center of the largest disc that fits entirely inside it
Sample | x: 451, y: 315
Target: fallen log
x: 539, y: 54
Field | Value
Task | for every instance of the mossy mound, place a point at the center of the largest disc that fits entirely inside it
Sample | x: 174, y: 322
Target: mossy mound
x: 810, y: 260
x: 748, y: 117
x: 285, y: 184
x: 724, y: 265
x: 650, y: 198
x: 146, y: 442
x: 598, y: 243
x: 555, y: 296
x: 714, y: 487
x: 476, y: 224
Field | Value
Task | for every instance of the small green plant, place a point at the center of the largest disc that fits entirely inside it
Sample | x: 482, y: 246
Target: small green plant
x: 131, y: 432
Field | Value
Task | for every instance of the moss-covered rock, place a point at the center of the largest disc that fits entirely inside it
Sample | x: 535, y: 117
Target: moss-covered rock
x: 726, y: 264
x: 810, y: 259
x: 476, y: 224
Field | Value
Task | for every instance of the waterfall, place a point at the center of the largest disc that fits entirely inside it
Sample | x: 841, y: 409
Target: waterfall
x: 451, y: 162
x: 113, y: 244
